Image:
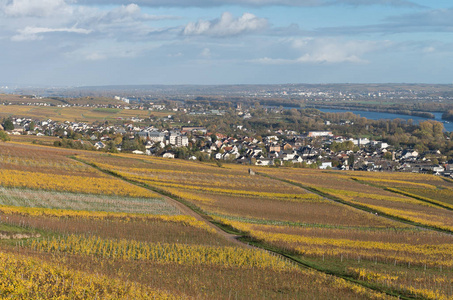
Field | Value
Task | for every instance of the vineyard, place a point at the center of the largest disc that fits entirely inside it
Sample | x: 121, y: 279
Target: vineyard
x: 83, y: 225
x: 73, y: 114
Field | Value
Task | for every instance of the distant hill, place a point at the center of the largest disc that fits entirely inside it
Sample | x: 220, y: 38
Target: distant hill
x: 235, y: 90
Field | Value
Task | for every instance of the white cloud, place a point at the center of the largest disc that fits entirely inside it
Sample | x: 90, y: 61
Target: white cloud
x: 125, y: 22
x: 130, y: 12
x: 332, y: 51
x: 34, y: 33
x: 227, y: 25
x: 33, y: 8
x: 108, y: 49
x: 325, y: 50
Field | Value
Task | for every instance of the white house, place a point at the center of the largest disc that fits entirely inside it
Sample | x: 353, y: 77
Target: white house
x: 264, y: 162
x: 99, y: 145
x: 319, y: 133
x: 325, y: 165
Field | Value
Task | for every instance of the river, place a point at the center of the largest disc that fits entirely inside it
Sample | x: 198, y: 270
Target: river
x: 373, y: 115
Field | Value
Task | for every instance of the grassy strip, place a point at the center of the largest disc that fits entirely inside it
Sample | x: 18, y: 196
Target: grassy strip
x: 27, y: 231
x: 420, y: 198
x: 367, y: 182
x: 8, y: 231
x: 299, y: 224
x: 449, y: 180
x: 358, y: 206
x: 396, y: 191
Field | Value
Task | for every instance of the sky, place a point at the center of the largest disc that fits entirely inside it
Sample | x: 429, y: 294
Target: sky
x: 112, y: 42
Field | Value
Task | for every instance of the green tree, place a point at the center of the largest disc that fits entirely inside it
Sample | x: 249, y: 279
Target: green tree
x: 4, y: 136
x: 388, y: 155
x: 8, y: 124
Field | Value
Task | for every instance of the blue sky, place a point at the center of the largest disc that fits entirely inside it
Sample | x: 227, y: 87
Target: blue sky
x: 108, y: 42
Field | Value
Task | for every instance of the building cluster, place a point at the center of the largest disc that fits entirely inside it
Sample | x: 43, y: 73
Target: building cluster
x: 317, y: 149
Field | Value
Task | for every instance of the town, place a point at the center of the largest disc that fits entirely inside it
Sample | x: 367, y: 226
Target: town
x: 279, y: 147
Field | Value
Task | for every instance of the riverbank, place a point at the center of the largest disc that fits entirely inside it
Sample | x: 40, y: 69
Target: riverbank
x: 374, y: 115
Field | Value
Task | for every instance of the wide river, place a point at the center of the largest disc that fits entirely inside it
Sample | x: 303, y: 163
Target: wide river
x: 373, y: 115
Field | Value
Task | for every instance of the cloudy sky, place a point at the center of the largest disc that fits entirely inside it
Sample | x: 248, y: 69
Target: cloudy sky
x: 108, y: 42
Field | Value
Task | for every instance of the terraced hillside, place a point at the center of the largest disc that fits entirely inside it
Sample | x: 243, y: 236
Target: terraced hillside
x: 127, y: 226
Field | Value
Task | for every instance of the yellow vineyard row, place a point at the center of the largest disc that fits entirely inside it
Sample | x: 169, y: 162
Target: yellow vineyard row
x: 413, y: 216
x: 417, y: 254
x: 293, y: 197
x: 76, y: 184
x: 396, y: 281
x: 156, y: 171
x: 424, y: 218
x: 397, y: 182
x: 26, y: 278
x: 450, y: 193
x: 163, y: 253
x: 401, y: 176
x: 354, y: 194
x: 101, y: 215
x: 206, y: 181
x: 61, y: 164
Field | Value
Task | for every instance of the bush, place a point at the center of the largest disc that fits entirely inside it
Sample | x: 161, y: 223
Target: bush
x: 4, y: 136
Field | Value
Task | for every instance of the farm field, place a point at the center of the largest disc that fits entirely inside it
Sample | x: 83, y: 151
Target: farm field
x: 33, y: 139
x: 369, y: 244
x: 74, y: 114
x: 357, y: 190
x: 68, y: 229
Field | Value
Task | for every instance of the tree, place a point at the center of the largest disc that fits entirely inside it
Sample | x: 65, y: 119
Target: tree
x: 351, y: 160
x: 182, y: 152
x: 111, y: 147
x: 118, y: 140
x: 388, y: 155
x: 4, y: 136
x: 8, y: 124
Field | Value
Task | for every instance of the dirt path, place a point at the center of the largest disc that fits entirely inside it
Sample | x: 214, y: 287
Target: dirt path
x: 188, y: 211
